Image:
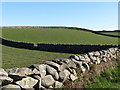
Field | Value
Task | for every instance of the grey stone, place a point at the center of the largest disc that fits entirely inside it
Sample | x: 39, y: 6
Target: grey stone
x: 74, y: 57
x: 71, y: 64
x: 91, y: 53
x: 66, y: 60
x: 101, y: 53
x: 87, y: 59
x: 98, y: 60
x: 96, y: 53
x: 86, y: 66
x: 50, y: 86
x: 82, y: 58
x: 3, y: 72
x: 47, y: 81
x: 79, y: 56
x: 42, y: 87
x: 61, y: 61
x: 58, y: 84
x: 41, y: 68
x: 63, y: 66
x: 27, y: 82
x: 74, y: 72
x: 11, y: 87
x: 53, y: 72
x: 5, y: 80
x: 72, y: 77
x: 12, y: 70
x: 53, y: 64
x: 82, y: 69
x: 39, y: 80
x: 78, y: 63
x: 20, y: 71
x: 35, y: 71
x: 58, y: 61
x: 104, y: 58
x: 64, y: 75
x: 94, y: 60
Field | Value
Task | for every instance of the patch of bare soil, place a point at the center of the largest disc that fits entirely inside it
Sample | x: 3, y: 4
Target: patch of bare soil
x: 84, y: 78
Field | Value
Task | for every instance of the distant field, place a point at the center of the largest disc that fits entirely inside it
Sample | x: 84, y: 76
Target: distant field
x: 14, y: 57
x: 56, y: 36
x: 112, y: 33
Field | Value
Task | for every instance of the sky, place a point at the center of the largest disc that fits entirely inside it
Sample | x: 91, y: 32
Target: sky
x: 90, y: 15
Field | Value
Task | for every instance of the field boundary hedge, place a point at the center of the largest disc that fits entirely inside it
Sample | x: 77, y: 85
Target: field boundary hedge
x: 61, y: 48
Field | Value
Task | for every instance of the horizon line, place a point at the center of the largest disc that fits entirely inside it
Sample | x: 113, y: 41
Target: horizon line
x: 56, y: 26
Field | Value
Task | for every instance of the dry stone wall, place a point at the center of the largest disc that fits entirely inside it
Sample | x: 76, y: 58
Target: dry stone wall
x: 52, y: 74
x: 63, y: 48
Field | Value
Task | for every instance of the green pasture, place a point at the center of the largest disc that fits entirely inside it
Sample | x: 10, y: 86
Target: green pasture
x: 14, y: 57
x: 111, y: 33
x: 56, y: 36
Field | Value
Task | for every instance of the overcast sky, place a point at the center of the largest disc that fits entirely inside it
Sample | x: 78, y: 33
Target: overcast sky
x: 90, y: 15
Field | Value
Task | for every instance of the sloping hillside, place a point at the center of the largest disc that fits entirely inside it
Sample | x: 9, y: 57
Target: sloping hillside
x: 56, y: 36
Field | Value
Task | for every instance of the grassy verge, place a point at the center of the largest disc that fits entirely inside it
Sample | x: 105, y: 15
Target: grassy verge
x: 14, y: 57
x: 109, y: 79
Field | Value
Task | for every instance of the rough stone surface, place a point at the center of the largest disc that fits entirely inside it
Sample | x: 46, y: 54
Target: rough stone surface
x: 72, y: 77
x: 71, y: 64
x: 61, y: 61
x: 39, y: 80
x: 27, y: 82
x: 64, y: 75
x: 74, y: 57
x: 82, y: 58
x: 47, y: 81
x: 86, y: 66
x: 63, y: 66
x: 87, y: 59
x: 5, y: 80
x: 41, y: 68
x: 96, y: 53
x: 78, y: 63
x: 3, y: 72
x: 55, y: 65
x: 53, y: 72
x: 20, y: 71
x: 11, y: 87
x: 82, y: 69
x: 74, y: 72
x: 58, y: 84
x: 35, y: 71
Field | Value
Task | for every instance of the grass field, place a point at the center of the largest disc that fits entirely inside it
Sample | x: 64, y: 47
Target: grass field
x: 111, y: 33
x: 56, y: 35
x: 14, y: 57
